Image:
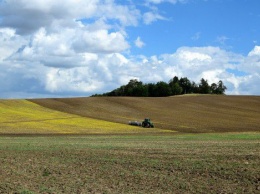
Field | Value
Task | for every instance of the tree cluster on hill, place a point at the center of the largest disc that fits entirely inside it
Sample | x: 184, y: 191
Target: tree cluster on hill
x: 175, y: 86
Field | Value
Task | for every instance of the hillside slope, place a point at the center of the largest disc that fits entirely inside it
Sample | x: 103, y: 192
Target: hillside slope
x: 24, y: 117
x: 202, y: 113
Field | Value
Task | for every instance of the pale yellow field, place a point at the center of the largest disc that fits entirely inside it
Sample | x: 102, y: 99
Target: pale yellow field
x: 25, y: 117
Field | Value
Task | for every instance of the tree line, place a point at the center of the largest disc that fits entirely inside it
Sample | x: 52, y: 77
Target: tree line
x: 175, y: 86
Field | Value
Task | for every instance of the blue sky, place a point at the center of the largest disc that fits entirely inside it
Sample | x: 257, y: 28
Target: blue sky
x: 229, y: 24
x: 67, y: 48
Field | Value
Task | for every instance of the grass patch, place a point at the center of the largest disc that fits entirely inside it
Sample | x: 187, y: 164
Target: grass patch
x: 221, y: 136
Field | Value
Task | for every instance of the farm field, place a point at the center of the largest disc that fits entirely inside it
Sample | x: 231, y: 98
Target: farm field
x: 25, y: 117
x: 183, y: 163
x: 187, y: 113
x: 200, y: 144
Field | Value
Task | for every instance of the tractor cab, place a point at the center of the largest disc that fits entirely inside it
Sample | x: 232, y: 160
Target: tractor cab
x: 147, y: 123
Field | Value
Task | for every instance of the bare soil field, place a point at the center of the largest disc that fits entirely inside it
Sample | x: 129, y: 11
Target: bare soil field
x: 201, y: 113
x: 184, y: 163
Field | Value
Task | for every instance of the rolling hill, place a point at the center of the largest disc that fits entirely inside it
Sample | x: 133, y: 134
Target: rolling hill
x: 188, y: 113
x: 25, y: 117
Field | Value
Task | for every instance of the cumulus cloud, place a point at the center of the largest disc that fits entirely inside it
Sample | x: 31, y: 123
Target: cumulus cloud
x: 27, y: 16
x: 251, y: 63
x: 73, y: 80
x: 100, y: 41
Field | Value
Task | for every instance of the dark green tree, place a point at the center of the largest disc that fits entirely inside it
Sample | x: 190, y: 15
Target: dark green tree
x: 204, y: 87
x: 219, y: 88
x: 135, y: 88
x: 152, y: 90
x: 176, y: 89
x: 213, y: 88
x: 173, y: 81
x: 186, y: 85
x: 162, y: 89
x: 194, y: 88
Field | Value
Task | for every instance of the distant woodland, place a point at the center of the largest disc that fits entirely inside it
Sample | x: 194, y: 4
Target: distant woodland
x: 175, y: 86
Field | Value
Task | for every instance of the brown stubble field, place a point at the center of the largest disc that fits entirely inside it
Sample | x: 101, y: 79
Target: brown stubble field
x: 202, y: 113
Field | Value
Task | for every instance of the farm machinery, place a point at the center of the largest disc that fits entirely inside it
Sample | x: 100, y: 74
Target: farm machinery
x: 145, y: 123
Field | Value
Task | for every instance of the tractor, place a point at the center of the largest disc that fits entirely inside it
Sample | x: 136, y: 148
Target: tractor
x: 147, y: 123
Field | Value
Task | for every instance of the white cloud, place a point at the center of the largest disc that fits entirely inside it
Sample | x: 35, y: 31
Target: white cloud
x: 193, y: 56
x: 27, y: 16
x: 150, y: 17
x: 10, y: 42
x: 251, y: 63
x: 100, y: 41
x: 255, y: 52
x: 250, y: 84
x: 71, y: 80
x: 139, y: 43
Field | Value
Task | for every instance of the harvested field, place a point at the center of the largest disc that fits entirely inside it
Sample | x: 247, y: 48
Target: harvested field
x: 200, y: 113
x: 203, y: 163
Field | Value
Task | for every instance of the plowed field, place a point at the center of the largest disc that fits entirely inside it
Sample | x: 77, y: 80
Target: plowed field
x: 202, y: 113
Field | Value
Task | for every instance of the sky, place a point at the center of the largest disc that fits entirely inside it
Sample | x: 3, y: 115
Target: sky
x: 69, y: 48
